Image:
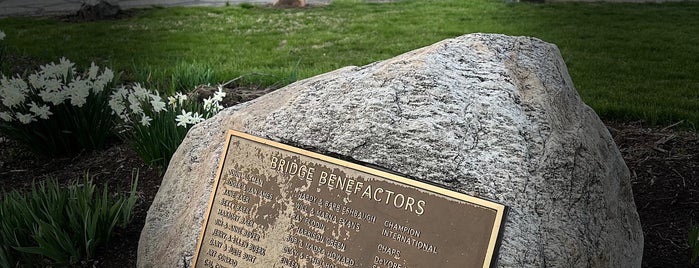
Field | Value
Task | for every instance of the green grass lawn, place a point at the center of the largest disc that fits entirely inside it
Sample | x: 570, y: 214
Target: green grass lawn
x: 628, y: 61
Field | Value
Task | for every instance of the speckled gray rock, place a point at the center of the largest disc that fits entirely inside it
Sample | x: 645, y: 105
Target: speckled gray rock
x: 488, y: 115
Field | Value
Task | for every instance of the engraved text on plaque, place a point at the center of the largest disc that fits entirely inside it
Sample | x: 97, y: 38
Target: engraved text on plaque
x: 274, y: 205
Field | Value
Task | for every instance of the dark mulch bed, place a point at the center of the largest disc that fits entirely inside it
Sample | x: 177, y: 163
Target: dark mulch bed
x: 664, y: 166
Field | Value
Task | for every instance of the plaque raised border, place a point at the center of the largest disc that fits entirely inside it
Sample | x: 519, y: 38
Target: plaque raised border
x: 317, y: 247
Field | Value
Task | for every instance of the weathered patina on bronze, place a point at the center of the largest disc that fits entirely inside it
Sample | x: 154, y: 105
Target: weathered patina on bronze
x: 274, y: 205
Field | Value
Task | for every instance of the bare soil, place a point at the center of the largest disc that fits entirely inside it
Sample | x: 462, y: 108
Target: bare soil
x: 664, y: 165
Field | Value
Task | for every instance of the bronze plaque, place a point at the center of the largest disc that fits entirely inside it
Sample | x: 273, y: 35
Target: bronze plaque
x: 274, y: 205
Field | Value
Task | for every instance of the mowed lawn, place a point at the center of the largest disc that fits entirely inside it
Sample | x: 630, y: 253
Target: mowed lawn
x: 628, y: 61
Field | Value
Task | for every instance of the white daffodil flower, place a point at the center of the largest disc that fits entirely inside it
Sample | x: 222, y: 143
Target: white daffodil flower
x: 209, y: 104
x: 42, y: 112
x: 145, y: 120
x: 25, y: 118
x: 102, y: 81
x: 92, y: 72
x: 46, y: 70
x: 13, y: 91
x: 52, y: 84
x: 196, y: 118
x: 184, y: 118
x: 2, y: 35
x: 120, y: 92
x: 157, y: 103
x: 219, y: 95
x: 134, y: 104
x: 171, y: 100
x: 5, y: 116
x: 180, y: 97
x: 140, y: 92
x: 65, y: 67
x: 107, y: 75
x: 54, y: 97
x: 78, y: 90
x: 36, y: 81
x: 116, y: 102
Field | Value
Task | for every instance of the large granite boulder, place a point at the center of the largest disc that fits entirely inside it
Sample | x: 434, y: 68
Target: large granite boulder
x: 488, y: 115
